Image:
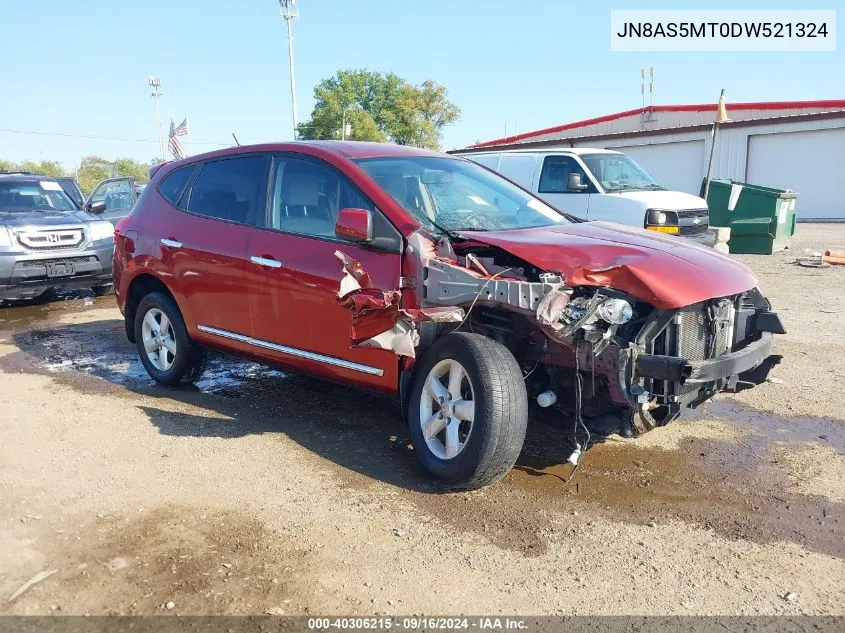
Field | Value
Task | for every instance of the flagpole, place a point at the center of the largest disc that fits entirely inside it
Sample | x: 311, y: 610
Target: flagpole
x: 190, y: 139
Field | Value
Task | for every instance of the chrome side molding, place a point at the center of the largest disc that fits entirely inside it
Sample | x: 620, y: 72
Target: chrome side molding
x: 292, y: 351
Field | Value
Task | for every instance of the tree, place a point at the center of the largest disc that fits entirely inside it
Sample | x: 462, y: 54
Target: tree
x: 94, y: 169
x: 50, y: 168
x: 379, y: 107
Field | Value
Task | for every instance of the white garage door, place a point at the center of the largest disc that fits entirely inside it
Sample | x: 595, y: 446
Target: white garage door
x: 811, y: 163
x: 677, y: 166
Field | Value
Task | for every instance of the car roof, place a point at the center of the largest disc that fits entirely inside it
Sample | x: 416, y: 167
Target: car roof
x: 347, y: 149
x: 24, y: 177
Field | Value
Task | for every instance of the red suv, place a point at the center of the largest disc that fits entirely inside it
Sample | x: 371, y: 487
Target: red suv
x: 431, y: 278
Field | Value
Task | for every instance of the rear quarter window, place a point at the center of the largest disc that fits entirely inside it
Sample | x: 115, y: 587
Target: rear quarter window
x: 174, y: 184
x: 231, y: 189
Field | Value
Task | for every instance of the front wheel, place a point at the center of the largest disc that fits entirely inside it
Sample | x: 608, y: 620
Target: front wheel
x: 468, y: 410
x: 166, y: 352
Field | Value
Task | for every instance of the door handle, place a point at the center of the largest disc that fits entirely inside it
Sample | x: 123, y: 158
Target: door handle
x: 170, y: 243
x: 265, y: 261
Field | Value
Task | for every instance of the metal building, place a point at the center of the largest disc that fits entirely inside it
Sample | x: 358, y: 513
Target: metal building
x: 798, y: 145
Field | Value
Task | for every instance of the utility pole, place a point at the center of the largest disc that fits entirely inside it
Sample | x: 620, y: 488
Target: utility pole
x: 155, y: 84
x: 290, y: 12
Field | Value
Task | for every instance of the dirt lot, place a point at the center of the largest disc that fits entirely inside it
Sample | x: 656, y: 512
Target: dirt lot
x: 263, y: 491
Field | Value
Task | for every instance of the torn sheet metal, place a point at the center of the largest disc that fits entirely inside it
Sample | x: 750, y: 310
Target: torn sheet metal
x: 377, y: 320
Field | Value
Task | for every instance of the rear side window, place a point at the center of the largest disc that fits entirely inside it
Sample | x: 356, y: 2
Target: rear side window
x: 174, y: 184
x: 555, y: 175
x: 231, y: 189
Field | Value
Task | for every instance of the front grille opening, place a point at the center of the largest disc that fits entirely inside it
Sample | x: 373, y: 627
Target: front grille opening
x: 51, y: 239
x: 697, y: 332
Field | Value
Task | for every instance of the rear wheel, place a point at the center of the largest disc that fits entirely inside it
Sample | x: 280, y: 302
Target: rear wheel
x: 166, y: 352
x: 468, y: 410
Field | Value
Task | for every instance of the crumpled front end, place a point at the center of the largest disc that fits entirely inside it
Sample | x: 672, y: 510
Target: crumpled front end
x: 595, y: 352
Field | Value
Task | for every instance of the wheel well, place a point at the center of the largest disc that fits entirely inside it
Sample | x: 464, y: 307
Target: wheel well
x: 140, y: 287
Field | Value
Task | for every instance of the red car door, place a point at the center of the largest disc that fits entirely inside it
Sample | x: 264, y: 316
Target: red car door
x: 207, y: 245
x: 295, y: 276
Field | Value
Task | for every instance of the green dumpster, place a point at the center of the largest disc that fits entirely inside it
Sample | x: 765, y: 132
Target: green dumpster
x: 762, y: 219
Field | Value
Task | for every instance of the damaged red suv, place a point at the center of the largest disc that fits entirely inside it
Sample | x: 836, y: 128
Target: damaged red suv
x: 433, y: 279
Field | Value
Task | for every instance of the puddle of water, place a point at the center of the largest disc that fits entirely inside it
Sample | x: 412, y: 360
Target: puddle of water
x: 95, y: 351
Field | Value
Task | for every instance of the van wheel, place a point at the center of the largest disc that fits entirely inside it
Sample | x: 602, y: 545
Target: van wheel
x: 166, y: 352
x: 468, y: 410
x: 102, y: 291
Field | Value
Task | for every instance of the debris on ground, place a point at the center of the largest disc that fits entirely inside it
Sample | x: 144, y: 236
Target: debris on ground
x: 274, y: 611
x: 790, y: 596
x: 39, y: 577
x: 833, y: 257
x: 117, y: 563
x: 170, y: 605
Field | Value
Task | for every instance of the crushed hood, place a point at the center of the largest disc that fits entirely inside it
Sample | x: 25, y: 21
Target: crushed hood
x: 666, y: 272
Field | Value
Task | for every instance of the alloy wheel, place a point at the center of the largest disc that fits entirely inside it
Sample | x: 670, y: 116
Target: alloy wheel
x: 447, y: 409
x: 159, y: 339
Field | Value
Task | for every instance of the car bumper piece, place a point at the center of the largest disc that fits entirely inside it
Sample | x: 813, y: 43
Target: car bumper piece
x: 676, y: 369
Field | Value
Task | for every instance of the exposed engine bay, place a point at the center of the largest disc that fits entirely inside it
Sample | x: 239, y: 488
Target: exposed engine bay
x: 593, y: 351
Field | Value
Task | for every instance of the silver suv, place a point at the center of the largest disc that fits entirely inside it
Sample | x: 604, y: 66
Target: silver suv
x: 47, y: 241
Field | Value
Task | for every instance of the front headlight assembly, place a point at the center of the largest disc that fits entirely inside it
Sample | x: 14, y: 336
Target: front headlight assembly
x: 662, y: 221
x: 615, y: 311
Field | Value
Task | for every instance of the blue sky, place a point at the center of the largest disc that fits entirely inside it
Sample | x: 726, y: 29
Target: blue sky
x: 81, y: 68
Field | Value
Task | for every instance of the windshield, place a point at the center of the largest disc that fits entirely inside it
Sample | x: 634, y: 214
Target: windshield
x: 618, y: 172
x: 454, y: 194
x: 28, y: 196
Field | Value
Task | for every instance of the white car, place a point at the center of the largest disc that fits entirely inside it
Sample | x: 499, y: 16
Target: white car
x: 600, y: 184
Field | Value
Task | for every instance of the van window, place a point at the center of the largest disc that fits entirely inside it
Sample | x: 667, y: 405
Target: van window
x: 231, y: 189
x: 519, y: 168
x: 555, y: 175
x: 488, y: 160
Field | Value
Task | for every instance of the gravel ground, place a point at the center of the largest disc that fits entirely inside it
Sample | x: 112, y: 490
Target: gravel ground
x: 260, y: 491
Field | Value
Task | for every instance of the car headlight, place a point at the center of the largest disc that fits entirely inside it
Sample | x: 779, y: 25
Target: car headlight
x: 662, y: 221
x: 5, y: 238
x: 615, y: 311
x: 100, y: 230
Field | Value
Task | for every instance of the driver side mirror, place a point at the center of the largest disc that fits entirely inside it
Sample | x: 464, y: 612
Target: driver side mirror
x: 96, y: 207
x: 355, y: 225
x: 574, y: 182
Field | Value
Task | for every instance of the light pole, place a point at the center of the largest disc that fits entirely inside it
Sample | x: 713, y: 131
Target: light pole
x: 155, y: 84
x: 290, y: 12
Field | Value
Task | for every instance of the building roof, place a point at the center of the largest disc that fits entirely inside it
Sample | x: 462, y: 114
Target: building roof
x: 661, y: 117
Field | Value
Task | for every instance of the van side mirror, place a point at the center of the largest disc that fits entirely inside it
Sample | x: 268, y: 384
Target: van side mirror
x: 355, y: 225
x: 96, y: 207
x: 574, y: 182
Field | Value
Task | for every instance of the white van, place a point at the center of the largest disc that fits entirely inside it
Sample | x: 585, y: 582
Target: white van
x: 599, y: 184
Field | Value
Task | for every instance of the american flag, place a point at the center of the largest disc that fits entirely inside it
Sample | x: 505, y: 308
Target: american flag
x: 173, y: 144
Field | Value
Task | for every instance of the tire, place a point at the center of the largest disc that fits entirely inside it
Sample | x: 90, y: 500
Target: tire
x: 489, y: 447
x: 184, y: 361
x: 102, y: 291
